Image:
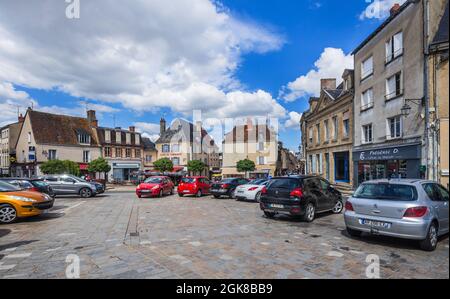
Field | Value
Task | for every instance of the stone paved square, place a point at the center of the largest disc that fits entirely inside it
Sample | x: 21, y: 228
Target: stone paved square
x: 117, y: 235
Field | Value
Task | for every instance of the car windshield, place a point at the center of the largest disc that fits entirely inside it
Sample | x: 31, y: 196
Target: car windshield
x: 153, y: 180
x: 387, y: 192
x: 288, y: 184
x: 227, y: 181
x: 188, y: 180
x: 257, y: 182
x: 5, y: 187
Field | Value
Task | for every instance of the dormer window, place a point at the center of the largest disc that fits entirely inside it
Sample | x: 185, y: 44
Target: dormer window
x: 83, y: 137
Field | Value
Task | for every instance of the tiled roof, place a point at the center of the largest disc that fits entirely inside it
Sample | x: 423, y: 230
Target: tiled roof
x: 248, y: 133
x: 59, y: 129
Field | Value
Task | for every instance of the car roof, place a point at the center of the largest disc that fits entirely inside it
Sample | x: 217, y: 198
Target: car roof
x: 195, y: 177
x: 297, y: 177
x: 21, y: 179
x: 398, y: 181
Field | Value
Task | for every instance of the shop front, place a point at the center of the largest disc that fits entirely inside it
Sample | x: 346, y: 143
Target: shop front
x: 389, y: 162
x: 123, y: 172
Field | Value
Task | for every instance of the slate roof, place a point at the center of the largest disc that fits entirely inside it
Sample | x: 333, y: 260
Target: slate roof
x: 442, y: 32
x: 59, y: 129
x: 148, y: 144
x: 123, y: 140
x: 183, y: 131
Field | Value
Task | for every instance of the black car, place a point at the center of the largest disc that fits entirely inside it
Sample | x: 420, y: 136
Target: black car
x: 227, y: 187
x: 33, y: 184
x: 300, y: 196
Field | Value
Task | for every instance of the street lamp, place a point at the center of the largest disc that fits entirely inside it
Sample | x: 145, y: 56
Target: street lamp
x: 406, y: 109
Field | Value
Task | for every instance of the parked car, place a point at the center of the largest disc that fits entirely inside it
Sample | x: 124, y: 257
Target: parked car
x: 28, y: 184
x: 401, y: 208
x: 300, y: 196
x: 227, y: 187
x: 16, y: 203
x: 71, y: 185
x: 155, y: 186
x: 197, y: 185
x: 252, y: 190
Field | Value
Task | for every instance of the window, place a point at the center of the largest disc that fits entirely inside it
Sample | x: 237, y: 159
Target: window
x: 118, y: 137
x: 107, y: 136
x: 84, y: 138
x: 118, y: 152
x: 367, y: 132
x: 310, y: 164
x: 108, y: 152
x: 176, y: 161
x: 175, y: 148
x: 314, y: 164
x: 335, y: 128
x: 261, y: 160
x: 137, y: 139
x: 148, y: 158
x: 128, y: 138
x: 318, y: 133
x: 319, y: 162
x: 387, y: 191
x: 29, y: 137
x: 327, y: 130
x: 52, y: 155
x: 137, y: 153
x: 367, y: 68
x: 346, y: 124
x: 394, y: 127
x: 128, y: 152
x: 367, y: 99
x: 394, y: 86
x: 394, y: 47
x: 86, y: 156
x: 166, y: 148
x: 310, y: 135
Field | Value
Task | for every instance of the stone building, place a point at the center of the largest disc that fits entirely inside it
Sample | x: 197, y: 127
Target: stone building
x: 8, y: 139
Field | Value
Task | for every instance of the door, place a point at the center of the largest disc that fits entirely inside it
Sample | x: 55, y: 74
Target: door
x: 54, y: 183
x: 313, y: 191
x: 206, y: 185
x: 328, y: 198
x: 68, y: 185
x: 442, y: 207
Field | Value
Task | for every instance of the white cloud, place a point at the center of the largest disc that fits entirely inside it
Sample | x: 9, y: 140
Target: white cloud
x: 148, y: 130
x: 331, y: 64
x: 294, y: 120
x: 379, y: 9
x: 144, y: 55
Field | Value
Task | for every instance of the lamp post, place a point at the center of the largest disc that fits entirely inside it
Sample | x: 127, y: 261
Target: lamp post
x: 406, y: 109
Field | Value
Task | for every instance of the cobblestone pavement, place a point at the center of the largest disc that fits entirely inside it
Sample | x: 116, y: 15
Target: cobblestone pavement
x: 119, y: 236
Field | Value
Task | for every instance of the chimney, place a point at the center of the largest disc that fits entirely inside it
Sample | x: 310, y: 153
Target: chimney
x: 328, y: 83
x: 21, y: 118
x: 162, y: 126
x: 93, y: 122
x: 132, y: 129
x: 394, y: 9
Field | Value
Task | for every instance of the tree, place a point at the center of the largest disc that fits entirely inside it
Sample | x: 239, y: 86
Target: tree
x: 196, y: 166
x: 245, y: 166
x: 100, y: 165
x: 163, y: 165
x: 60, y: 167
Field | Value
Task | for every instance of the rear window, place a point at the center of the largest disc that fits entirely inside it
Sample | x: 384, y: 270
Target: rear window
x: 289, y: 184
x: 5, y: 187
x: 39, y: 183
x: 188, y: 180
x: 387, y: 192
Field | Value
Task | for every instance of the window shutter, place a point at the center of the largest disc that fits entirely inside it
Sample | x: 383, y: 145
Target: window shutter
x: 398, y: 44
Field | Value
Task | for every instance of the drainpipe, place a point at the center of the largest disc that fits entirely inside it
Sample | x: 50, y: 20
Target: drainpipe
x: 425, y: 86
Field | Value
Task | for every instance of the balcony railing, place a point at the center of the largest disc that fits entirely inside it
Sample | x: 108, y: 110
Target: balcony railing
x: 393, y: 95
x: 367, y: 106
x: 394, y: 55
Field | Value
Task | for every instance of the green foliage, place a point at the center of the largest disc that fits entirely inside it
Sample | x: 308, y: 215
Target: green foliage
x: 245, y: 165
x: 196, y: 166
x: 163, y: 165
x: 99, y: 165
x: 60, y: 167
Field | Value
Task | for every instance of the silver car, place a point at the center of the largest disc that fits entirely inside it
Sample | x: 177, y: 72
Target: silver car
x: 408, y: 209
x: 70, y: 185
x: 251, y: 191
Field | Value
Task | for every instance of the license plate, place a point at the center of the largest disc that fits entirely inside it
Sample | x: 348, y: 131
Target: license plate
x: 145, y: 191
x: 186, y: 191
x: 240, y: 191
x: 373, y: 223
x: 214, y: 190
x: 277, y: 206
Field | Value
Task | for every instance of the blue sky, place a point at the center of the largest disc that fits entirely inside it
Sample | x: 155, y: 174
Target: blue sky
x: 246, y: 58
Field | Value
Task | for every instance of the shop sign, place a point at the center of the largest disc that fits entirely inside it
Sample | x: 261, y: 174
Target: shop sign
x: 394, y: 153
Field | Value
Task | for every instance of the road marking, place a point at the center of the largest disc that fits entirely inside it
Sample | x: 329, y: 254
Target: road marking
x: 13, y: 276
x: 145, y: 243
x: 53, y: 249
x: 265, y: 243
x: 74, y: 206
x: 18, y: 255
x: 66, y: 234
x: 112, y: 240
x: 9, y: 249
x: 335, y: 254
x: 196, y: 244
x: 6, y: 267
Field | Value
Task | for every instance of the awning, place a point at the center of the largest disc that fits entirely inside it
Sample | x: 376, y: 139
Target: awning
x: 178, y: 168
x: 84, y: 166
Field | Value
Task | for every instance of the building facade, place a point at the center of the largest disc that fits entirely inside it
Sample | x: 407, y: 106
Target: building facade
x: 389, y: 106
x: 327, y: 130
x: 8, y: 139
x: 150, y: 154
x: 287, y: 163
x: 45, y: 136
x: 438, y: 96
x: 183, y: 141
x: 255, y: 142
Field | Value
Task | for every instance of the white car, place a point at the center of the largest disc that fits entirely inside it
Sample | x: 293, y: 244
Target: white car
x: 251, y: 191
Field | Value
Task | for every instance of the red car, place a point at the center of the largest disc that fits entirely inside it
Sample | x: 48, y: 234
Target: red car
x: 155, y: 186
x: 197, y: 186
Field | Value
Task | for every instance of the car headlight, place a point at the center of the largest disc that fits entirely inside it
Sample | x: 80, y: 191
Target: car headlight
x: 155, y: 188
x: 22, y: 198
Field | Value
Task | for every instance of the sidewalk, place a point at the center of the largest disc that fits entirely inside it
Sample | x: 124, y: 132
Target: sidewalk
x: 120, y: 188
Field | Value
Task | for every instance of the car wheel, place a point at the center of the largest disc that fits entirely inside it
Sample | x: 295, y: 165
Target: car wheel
x: 310, y: 213
x: 430, y: 243
x: 180, y: 195
x: 171, y: 191
x: 233, y: 194
x: 7, y: 214
x: 199, y: 193
x: 217, y: 196
x: 139, y: 196
x: 269, y: 214
x: 161, y: 193
x: 353, y: 232
x: 338, y: 207
x: 258, y: 196
x: 85, y: 192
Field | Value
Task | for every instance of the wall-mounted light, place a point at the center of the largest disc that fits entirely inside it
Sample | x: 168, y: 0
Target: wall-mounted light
x: 406, y: 109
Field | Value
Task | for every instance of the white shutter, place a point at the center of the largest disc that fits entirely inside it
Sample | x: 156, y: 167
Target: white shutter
x: 398, y: 44
x: 390, y: 87
x: 389, y: 50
